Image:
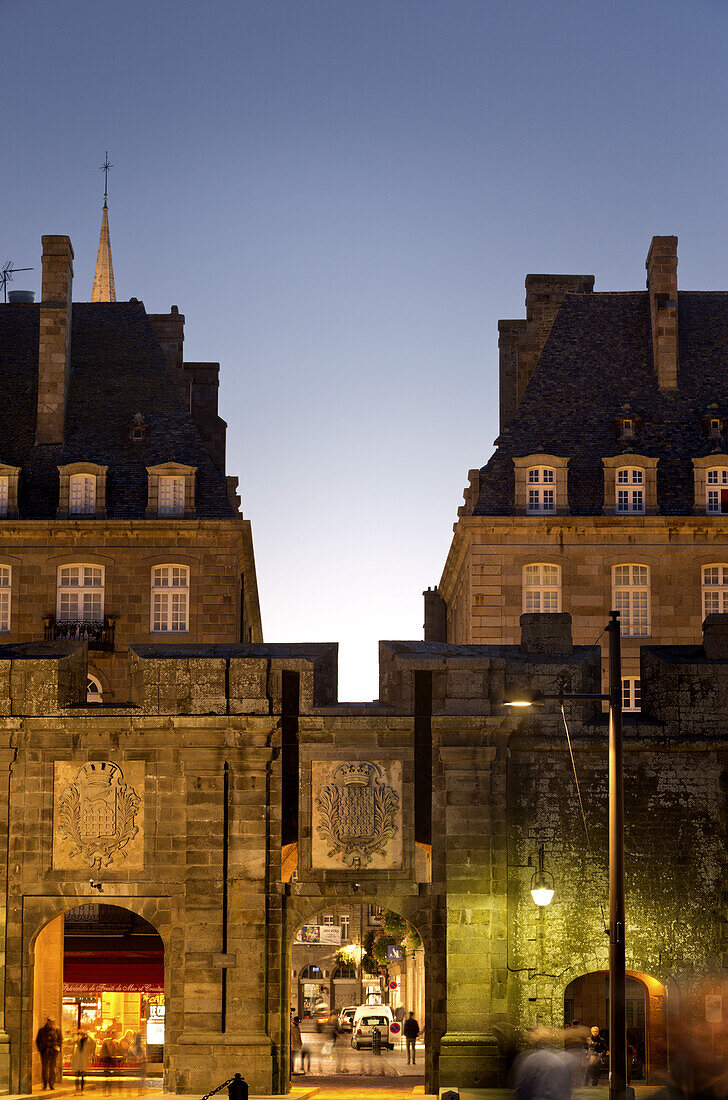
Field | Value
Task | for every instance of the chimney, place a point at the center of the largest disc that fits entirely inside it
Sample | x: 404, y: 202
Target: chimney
x: 54, y: 339
x: 169, y: 328
x: 544, y: 297
x: 662, y: 286
x: 435, y: 616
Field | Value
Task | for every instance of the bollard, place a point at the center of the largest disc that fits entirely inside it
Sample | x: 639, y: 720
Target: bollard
x: 238, y: 1089
x: 376, y: 1041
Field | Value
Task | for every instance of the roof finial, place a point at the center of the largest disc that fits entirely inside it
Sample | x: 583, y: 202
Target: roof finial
x: 103, y: 288
x: 105, y: 169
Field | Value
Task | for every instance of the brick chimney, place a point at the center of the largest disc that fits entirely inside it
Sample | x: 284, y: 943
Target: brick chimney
x: 54, y: 340
x: 169, y: 328
x: 435, y: 616
x: 662, y: 286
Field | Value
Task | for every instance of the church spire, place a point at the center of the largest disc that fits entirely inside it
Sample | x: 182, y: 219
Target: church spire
x: 103, y: 289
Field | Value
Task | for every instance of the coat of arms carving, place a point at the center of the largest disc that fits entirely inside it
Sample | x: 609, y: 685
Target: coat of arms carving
x: 358, y: 813
x: 97, y: 812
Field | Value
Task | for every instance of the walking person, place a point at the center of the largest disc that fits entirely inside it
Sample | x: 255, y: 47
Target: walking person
x: 48, y: 1041
x: 411, y: 1031
x: 296, y: 1043
x: 596, y: 1057
x: 79, y: 1059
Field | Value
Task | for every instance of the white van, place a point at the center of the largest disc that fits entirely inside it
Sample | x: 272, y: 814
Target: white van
x: 366, y: 1018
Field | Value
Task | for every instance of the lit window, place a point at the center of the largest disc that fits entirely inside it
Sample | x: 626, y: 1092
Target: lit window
x: 81, y: 495
x: 80, y: 593
x: 5, y: 579
x: 630, y: 490
x: 4, y: 485
x: 631, y: 597
x: 540, y: 490
x: 171, y: 496
x: 715, y: 590
x: 170, y: 599
x: 716, y: 491
x: 542, y: 588
x: 631, y: 694
x: 94, y: 691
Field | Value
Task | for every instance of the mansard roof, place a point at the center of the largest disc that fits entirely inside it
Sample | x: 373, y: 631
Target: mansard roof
x: 118, y: 369
x: 597, y: 358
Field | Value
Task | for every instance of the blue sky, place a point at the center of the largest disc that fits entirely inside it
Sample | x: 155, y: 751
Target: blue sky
x: 343, y: 197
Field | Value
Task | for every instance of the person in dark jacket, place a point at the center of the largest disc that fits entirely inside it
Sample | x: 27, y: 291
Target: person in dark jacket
x: 48, y: 1042
x: 596, y: 1056
x: 411, y: 1031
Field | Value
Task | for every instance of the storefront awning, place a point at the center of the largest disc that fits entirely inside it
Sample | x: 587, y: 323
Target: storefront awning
x: 94, y: 972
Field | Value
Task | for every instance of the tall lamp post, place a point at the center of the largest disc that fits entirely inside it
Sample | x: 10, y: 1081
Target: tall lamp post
x: 617, y: 976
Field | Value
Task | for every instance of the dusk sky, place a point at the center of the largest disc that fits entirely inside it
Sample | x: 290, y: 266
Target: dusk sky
x: 343, y: 197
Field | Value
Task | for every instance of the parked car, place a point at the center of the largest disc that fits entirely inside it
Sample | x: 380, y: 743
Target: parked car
x: 346, y: 1018
x: 366, y: 1018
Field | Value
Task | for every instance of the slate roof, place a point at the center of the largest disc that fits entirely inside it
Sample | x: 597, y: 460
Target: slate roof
x: 117, y: 370
x: 597, y: 358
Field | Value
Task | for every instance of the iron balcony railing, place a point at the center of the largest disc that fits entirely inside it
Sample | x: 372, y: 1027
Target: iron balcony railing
x: 99, y: 634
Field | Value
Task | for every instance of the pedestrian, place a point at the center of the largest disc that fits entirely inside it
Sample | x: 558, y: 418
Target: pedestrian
x: 296, y: 1043
x: 411, y: 1031
x: 596, y: 1056
x: 48, y: 1041
x: 542, y: 1073
x: 79, y: 1059
x: 575, y: 1051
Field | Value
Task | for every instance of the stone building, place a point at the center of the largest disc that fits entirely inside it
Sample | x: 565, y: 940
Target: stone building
x: 161, y: 759
x: 609, y: 484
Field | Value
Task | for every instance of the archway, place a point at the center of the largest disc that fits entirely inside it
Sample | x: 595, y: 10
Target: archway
x: 98, y: 969
x: 586, y: 999
x: 356, y: 952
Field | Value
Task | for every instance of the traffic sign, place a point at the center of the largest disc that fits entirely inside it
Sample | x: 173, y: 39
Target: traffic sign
x: 394, y: 985
x: 394, y: 1028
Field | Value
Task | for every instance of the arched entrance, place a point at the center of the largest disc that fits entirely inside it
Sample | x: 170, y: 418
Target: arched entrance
x: 98, y: 969
x: 356, y: 952
x: 586, y: 999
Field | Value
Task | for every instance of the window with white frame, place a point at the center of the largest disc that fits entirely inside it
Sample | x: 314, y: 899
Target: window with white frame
x: 170, y: 599
x: 345, y: 923
x: 541, y: 587
x: 81, y: 495
x: 94, y: 691
x: 631, y: 693
x: 630, y: 490
x: 631, y: 597
x: 5, y: 582
x: 4, y: 490
x: 80, y: 593
x: 540, y: 489
x: 716, y: 491
x: 715, y: 590
x: 171, y: 496
x: 328, y: 919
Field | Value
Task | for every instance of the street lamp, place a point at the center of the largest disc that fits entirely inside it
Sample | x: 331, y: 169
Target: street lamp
x: 617, y: 976
x: 542, y: 882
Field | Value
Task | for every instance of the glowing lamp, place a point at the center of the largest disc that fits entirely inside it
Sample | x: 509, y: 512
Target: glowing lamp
x: 542, y: 883
x: 525, y: 698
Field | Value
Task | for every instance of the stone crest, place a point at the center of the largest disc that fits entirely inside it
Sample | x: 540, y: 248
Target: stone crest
x: 96, y: 816
x: 358, y: 813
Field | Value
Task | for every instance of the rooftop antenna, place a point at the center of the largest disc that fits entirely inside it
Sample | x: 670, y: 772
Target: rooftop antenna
x: 105, y: 169
x: 6, y: 276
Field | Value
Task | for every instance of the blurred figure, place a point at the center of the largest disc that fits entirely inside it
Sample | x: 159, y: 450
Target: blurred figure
x: 596, y: 1054
x: 49, y: 1041
x: 411, y: 1031
x: 575, y: 1051
x: 79, y: 1059
x: 542, y: 1073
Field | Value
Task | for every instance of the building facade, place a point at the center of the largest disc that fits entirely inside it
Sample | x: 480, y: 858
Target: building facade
x: 609, y: 485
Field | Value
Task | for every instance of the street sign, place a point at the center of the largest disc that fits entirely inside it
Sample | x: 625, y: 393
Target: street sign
x: 395, y: 953
x: 394, y: 985
x: 394, y: 1028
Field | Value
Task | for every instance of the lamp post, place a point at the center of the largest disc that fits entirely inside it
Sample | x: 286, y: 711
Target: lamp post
x: 617, y: 976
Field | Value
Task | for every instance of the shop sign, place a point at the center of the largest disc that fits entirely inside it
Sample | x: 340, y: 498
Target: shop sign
x: 80, y: 989
x: 395, y: 953
x: 319, y: 933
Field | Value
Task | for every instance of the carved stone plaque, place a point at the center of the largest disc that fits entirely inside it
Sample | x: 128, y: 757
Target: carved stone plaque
x: 356, y: 815
x: 98, y: 815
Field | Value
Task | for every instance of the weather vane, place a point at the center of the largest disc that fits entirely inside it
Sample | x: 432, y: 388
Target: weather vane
x: 105, y: 169
x: 6, y: 276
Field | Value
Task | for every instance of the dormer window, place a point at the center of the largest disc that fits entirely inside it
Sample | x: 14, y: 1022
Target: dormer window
x: 138, y: 429
x: 541, y: 493
x: 715, y: 428
x: 82, y: 491
x: 81, y: 495
x: 171, y: 491
x: 9, y: 491
x: 630, y: 492
x: 171, y: 496
x: 716, y: 491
